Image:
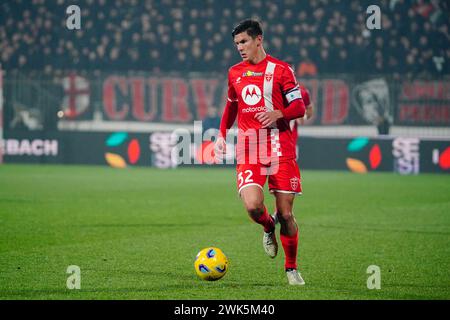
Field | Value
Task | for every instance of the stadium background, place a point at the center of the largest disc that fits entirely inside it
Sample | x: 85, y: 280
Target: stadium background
x: 112, y: 93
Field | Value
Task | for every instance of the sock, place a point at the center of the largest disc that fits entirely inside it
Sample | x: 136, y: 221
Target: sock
x: 290, y: 244
x: 266, y: 221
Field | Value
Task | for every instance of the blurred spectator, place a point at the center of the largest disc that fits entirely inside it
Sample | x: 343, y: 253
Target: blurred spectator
x: 306, y: 68
x: 212, y: 119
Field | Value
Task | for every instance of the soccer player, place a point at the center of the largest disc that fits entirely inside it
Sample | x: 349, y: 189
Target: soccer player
x: 264, y: 94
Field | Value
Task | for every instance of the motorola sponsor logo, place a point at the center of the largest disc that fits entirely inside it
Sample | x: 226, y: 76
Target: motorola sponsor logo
x: 254, y: 109
x: 251, y: 94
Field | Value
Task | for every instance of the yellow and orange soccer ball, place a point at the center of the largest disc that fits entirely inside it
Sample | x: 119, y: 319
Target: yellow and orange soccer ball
x: 211, y: 264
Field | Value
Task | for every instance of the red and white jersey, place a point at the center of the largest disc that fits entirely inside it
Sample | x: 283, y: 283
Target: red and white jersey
x: 266, y: 86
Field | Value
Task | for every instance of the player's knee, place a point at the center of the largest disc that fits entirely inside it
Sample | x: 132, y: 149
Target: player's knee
x: 254, y: 208
x: 285, y: 215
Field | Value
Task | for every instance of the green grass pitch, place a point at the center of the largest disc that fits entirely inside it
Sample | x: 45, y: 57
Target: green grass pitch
x: 134, y: 234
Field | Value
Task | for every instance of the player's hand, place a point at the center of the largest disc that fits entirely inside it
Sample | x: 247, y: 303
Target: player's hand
x: 309, y: 112
x: 268, y: 118
x: 220, y: 149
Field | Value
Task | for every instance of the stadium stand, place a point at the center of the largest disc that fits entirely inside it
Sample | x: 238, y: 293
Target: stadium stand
x: 317, y: 36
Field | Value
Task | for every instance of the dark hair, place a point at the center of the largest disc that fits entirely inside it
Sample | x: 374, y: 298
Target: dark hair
x: 252, y: 27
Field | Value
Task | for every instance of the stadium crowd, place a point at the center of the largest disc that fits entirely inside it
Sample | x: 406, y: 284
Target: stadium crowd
x: 316, y: 36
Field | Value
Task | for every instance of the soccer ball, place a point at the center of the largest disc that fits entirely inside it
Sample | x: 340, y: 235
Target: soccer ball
x: 211, y: 264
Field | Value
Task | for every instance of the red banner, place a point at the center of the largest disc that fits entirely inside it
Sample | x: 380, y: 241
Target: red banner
x: 148, y: 98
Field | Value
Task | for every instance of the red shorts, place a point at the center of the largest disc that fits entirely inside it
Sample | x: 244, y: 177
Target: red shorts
x: 284, y: 178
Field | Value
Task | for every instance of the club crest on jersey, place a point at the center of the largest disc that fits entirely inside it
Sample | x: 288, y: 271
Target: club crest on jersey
x: 294, y: 183
x: 252, y: 74
x: 269, y: 76
x: 251, y: 94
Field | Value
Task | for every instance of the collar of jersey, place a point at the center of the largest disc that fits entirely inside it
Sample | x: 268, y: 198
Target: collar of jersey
x: 262, y: 61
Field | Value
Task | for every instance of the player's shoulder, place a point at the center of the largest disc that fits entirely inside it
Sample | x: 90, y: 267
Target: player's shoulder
x: 236, y: 68
x: 281, y: 63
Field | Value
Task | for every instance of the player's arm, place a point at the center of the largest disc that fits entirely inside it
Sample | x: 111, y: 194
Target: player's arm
x: 295, y: 109
x: 228, y: 117
x: 294, y: 101
x: 227, y: 120
x: 308, y: 114
x: 309, y: 105
x: 309, y: 111
x: 294, y: 106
